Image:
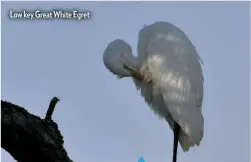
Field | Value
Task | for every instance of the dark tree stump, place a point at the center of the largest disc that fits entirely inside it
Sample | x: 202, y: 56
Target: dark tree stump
x: 29, y: 138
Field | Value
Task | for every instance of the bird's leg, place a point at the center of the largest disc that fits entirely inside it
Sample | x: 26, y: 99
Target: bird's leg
x: 176, y: 132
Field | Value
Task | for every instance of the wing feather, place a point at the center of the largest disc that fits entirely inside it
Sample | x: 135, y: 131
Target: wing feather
x: 175, y: 68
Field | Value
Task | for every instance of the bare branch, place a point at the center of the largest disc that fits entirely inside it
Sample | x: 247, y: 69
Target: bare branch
x: 29, y: 138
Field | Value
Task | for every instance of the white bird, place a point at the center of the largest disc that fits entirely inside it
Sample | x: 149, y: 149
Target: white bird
x: 168, y: 73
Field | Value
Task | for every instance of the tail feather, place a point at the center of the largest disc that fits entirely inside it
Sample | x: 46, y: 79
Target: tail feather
x: 185, y: 138
x: 186, y: 142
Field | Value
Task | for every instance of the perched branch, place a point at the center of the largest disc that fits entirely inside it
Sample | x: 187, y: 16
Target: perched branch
x: 29, y: 138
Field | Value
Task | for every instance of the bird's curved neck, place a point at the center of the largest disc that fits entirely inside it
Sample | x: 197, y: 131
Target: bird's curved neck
x: 133, y: 62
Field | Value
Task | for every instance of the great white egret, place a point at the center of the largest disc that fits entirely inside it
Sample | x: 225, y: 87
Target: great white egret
x: 168, y: 73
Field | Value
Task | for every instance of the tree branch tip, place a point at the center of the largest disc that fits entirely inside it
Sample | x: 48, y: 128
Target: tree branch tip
x: 55, y: 99
x: 51, y: 108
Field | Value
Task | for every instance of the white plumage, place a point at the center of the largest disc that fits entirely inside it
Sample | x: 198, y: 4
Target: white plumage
x: 168, y: 59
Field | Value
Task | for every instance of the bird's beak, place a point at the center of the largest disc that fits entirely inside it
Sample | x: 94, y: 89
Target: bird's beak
x: 135, y: 74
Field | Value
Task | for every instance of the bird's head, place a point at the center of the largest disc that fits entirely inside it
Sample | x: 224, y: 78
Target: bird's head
x: 119, y: 60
